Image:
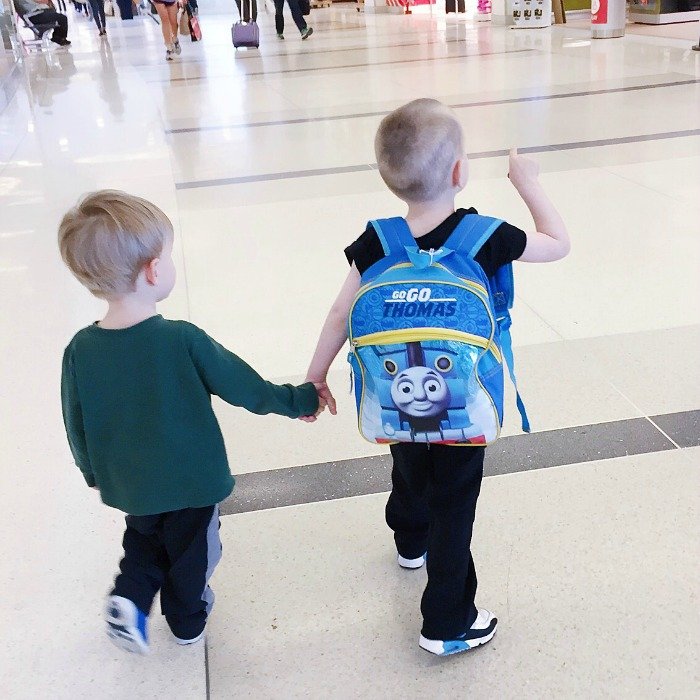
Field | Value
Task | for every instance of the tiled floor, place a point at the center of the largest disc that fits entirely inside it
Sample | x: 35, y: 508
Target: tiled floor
x: 264, y: 161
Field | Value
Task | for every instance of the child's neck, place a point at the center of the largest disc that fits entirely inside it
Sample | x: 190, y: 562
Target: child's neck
x: 423, y: 217
x: 127, y: 311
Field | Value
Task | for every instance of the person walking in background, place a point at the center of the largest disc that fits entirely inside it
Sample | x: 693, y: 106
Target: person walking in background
x: 167, y: 11
x: 98, y: 14
x: 297, y: 16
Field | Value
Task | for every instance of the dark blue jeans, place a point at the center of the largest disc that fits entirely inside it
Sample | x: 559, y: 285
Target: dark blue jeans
x: 98, y: 13
x: 296, y: 15
x: 125, y: 9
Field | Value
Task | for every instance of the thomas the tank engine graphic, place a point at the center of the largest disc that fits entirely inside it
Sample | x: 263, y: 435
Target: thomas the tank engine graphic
x: 422, y: 396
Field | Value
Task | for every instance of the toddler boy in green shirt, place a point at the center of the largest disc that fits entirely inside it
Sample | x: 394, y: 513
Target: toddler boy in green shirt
x: 136, y: 393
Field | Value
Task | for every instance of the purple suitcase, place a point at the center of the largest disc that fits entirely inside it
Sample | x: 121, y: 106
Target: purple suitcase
x: 245, y: 34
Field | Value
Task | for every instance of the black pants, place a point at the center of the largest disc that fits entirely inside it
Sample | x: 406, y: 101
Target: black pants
x: 452, y: 6
x: 174, y: 553
x: 126, y: 9
x: 49, y: 17
x: 431, y: 509
x: 98, y: 13
x: 296, y: 15
x: 245, y: 12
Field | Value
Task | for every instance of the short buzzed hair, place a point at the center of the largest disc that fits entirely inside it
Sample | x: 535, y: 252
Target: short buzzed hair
x: 108, y: 237
x: 417, y: 146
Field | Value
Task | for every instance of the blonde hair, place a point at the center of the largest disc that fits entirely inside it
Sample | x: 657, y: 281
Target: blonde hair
x: 107, y: 238
x: 417, y: 146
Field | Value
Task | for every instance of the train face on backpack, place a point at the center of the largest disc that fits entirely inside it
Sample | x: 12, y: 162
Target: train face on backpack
x: 416, y: 392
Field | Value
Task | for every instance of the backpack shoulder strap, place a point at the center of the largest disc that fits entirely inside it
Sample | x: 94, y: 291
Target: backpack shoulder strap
x: 471, y: 233
x: 395, y: 237
x: 469, y: 237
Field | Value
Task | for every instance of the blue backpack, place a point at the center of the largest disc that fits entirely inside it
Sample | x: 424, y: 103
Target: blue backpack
x: 429, y: 334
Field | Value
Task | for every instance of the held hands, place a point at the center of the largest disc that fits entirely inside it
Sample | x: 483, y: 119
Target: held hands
x: 522, y: 171
x: 325, y: 399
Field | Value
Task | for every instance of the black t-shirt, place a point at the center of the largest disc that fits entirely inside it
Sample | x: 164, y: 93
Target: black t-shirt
x: 506, y: 244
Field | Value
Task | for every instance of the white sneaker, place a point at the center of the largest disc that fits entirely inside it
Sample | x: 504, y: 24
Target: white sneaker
x: 194, y: 640
x: 411, y: 563
x: 479, y: 633
x: 126, y: 625
x: 169, y: 54
x: 177, y: 47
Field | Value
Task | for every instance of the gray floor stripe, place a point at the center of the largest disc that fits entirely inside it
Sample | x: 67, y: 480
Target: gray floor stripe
x: 289, y: 175
x: 286, y: 54
x: 462, y: 105
x: 683, y: 428
x: 553, y: 448
x: 313, y: 69
x: 293, y: 174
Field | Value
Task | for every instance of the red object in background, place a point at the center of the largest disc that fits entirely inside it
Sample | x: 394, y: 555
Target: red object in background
x: 599, y: 11
x: 195, y: 29
x: 408, y: 3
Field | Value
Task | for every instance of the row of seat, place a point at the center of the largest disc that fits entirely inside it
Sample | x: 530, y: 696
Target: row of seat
x: 42, y: 32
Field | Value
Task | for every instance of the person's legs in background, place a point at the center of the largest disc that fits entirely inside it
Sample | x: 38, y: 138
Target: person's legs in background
x: 168, y: 27
x: 49, y: 17
x: 98, y: 13
x: 172, y: 12
x: 279, y: 18
x: 298, y: 18
x: 126, y: 9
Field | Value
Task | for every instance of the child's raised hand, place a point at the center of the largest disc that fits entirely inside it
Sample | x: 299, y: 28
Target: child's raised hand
x: 522, y: 170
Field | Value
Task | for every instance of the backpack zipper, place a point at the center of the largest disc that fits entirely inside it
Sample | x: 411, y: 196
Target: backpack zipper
x: 411, y: 335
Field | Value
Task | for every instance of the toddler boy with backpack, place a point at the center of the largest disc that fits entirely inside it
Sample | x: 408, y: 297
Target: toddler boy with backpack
x: 426, y: 306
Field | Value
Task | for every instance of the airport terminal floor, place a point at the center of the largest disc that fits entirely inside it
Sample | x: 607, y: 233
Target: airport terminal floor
x: 586, y: 535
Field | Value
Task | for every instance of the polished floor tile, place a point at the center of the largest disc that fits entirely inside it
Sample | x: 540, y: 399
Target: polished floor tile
x: 263, y: 160
x: 557, y: 554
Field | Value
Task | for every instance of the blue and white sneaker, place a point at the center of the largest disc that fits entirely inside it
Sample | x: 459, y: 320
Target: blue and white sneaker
x: 411, y: 563
x: 126, y: 625
x: 479, y: 633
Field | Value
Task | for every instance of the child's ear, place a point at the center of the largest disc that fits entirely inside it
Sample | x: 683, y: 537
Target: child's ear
x: 151, y: 271
x: 460, y: 173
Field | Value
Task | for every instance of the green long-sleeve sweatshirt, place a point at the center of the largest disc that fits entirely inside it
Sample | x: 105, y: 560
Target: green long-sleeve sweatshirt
x: 137, y: 410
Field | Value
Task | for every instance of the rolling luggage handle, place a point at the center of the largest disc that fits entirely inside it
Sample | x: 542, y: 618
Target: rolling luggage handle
x: 245, y: 33
x: 245, y: 8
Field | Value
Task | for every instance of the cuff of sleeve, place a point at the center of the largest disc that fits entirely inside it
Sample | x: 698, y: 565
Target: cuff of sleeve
x: 89, y: 479
x: 308, y: 399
